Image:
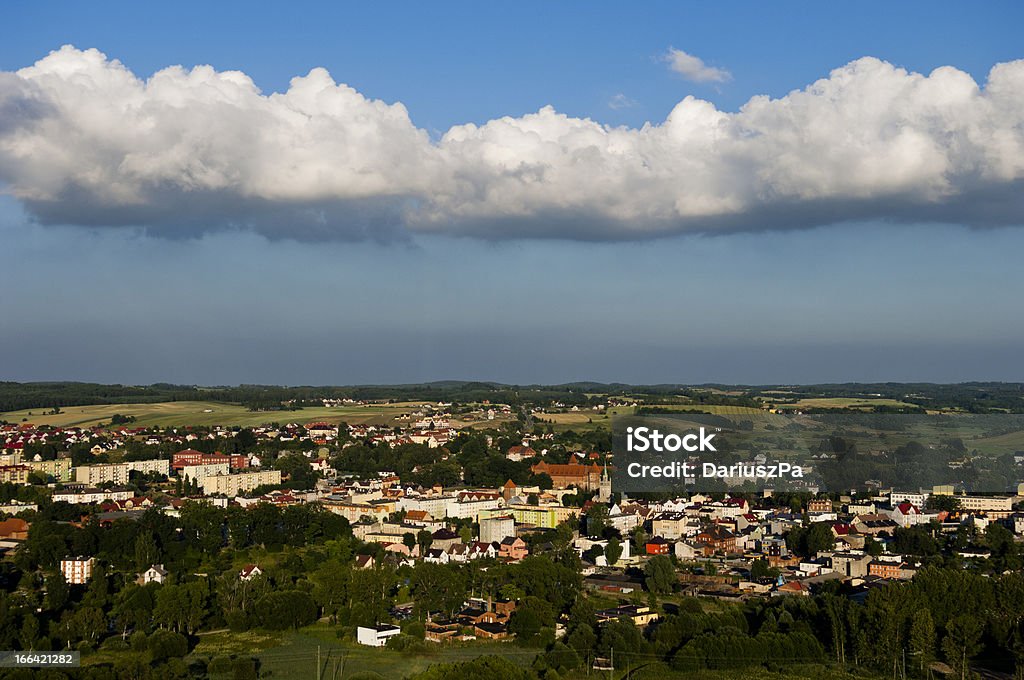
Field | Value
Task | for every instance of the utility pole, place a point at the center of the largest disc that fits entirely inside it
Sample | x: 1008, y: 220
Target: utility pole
x: 318, y: 662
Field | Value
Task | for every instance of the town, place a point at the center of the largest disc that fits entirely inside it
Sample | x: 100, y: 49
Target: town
x: 129, y: 543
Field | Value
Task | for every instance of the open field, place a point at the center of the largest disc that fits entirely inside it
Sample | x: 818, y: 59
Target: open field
x: 294, y: 654
x: 844, y: 402
x: 1010, y: 442
x: 206, y: 413
x: 181, y: 413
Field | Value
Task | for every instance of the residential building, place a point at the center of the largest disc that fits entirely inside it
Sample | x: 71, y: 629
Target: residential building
x: 199, y: 473
x: 512, y: 549
x: 249, y: 572
x: 13, y: 529
x: 232, y: 485
x: 59, y: 468
x: 77, y: 570
x: 94, y: 475
x: 79, y: 493
x: 155, y: 574
x: 496, y: 529
x: 180, y: 459
x: 14, y: 474
x: 160, y: 466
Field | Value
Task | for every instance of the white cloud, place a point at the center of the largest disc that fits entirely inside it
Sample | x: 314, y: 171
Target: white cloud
x: 621, y: 101
x: 85, y: 141
x: 693, y: 68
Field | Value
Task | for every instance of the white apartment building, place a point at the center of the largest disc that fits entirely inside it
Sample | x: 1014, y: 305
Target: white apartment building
x: 920, y: 499
x: 159, y: 465
x: 199, y: 473
x: 996, y: 507
x: 232, y: 485
x: 494, y: 529
x: 93, y: 475
x: 77, y: 570
x: 92, y: 495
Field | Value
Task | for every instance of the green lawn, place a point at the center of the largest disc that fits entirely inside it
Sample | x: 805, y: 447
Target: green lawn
x: 293, y: 654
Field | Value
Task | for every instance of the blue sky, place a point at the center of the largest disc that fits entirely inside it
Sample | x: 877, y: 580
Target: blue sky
x: 783, y: 294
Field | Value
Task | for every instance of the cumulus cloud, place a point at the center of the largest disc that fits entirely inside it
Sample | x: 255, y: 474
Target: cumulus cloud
x: 85, y: 141
x: 621, y: 101
x: 693, y: 68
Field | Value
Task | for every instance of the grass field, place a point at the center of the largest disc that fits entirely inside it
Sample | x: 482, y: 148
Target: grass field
x: 722, y: 410
x: 844, y: 402
x: 293, y: 655
x: 1004, y: 443
x: 181, y: 413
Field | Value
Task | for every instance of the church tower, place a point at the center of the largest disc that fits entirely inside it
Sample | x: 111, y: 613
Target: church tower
x: 604, y: 494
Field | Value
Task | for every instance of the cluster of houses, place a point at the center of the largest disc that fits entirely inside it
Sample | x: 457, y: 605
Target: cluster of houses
x: 731, y: 534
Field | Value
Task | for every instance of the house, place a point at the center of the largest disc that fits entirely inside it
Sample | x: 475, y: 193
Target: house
x: 481, y: 550
x: 674, y: 525
x: 639, y: 615
x: 14, y: 529
x: 437, y: 631
x: 517, y: 453
x: 688, y: 550
x: 513, y: 549
x: 886, y: 570
x: 321, y: 433
x: 437, y: 556
x: 719, y: 539
x: 874, y: 524
x: 418, y: 517
x: 490, y: 631
x: 657, y: 546
x: 249, y: 572
x: 851, y: 564
x: 444, y: 539
x: 366, y: 561
x: 793, y: 588
x: 905, y: 514
x: 819, y: 505
x: 155, y: 574
x: 376, y: 636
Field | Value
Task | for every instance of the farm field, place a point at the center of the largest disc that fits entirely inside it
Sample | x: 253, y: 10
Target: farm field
x: 845, y: 402
x: 182, y: 413
x: 207, y: 413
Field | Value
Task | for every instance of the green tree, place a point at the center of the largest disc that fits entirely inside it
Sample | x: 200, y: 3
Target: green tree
x: 660, y: 574
x: 613, y: 551
x: 597, y: 519
x: 437, y: 588
x: 962, y: 642
x: 922, y: 637
x: 424, y: 538
x: 164, y: 644
x: 57, y: 592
